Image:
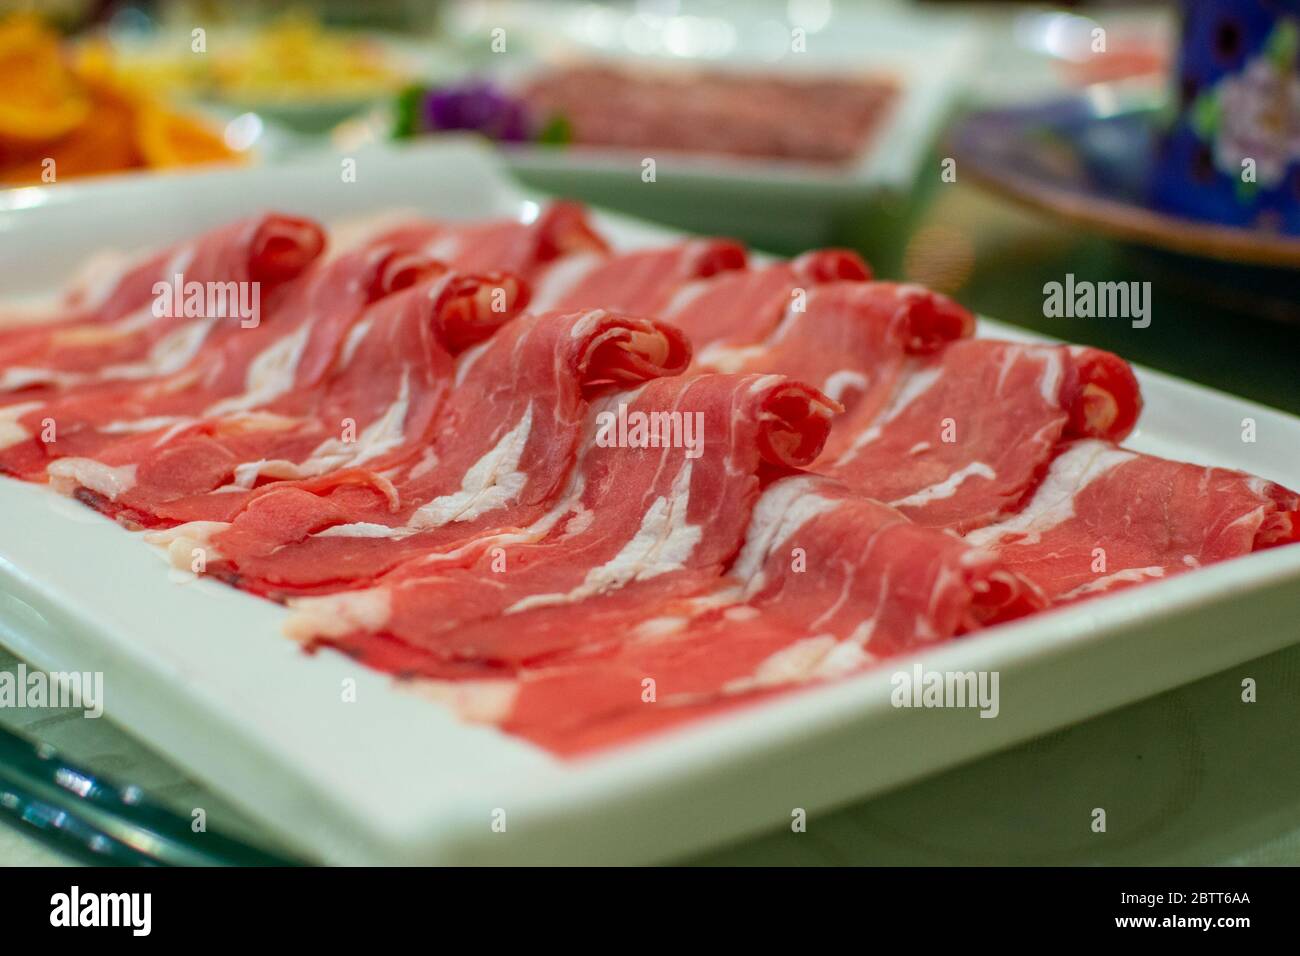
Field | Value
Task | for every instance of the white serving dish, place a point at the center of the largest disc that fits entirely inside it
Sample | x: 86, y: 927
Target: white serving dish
x: 774, y: 203
x: 200, y: 672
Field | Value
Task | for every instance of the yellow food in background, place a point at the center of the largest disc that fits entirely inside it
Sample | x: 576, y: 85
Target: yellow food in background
x: 62, y: 117
x: 292, y: 59
x: 297, y: 58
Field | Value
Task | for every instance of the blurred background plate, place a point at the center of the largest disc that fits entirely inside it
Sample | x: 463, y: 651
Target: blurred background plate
x: 1086, y: 158
x: 293, y: 71
x: 775, y: 203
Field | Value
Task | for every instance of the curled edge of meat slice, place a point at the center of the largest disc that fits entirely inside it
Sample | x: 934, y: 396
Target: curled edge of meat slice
x: 927, y: 321
x: 616, y: 348
x: 712, y: 256
x: 282, y: 247
x: 1103, y: 397
x: 1283, y: 525
x: 795, y: 421
x: 562, y: 229
x: 831, y: 265
x: 472, y: 307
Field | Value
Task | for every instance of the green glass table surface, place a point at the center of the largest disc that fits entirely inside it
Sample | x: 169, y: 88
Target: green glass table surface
x: 1192, y: 776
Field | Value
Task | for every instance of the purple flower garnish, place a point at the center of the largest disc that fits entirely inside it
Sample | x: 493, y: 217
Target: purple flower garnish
x: 478, y: 106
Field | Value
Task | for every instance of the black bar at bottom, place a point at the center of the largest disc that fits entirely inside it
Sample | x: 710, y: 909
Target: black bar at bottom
x: 335, y: 906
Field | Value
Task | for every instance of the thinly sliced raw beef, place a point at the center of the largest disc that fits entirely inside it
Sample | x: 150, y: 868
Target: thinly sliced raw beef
x: 115, y: 332
x: 643, y: 282
x: 740, y: 307
x: 823, y: 558
x: 502, y: 451
x: 644, y: 111
x: 269, y: 248
x: 851, y: 339
x: 201, y: 361
x: 236, y: 371
x: 826, y: 584
x: 506, y: 245
x: 574, y: 709
x: 635, y: 523
x: 817, y: 561
x: 541, y: 521
x: 967, y: 433
x: 1106, y: 518
x: 954, y: 432
x: 375, y: 408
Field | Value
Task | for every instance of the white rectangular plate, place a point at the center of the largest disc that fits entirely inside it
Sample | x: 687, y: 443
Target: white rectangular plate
x: 781, y: 204
x: 201, y: 672
x: 924, y: 60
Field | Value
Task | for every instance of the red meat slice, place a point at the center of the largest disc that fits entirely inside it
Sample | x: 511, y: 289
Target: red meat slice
x: 741, y: 307
x: 507, y: 245
x: 826, y: 584
x: 642, y: 282
x: 817, y: 563
x: 636, y: 521
x: 108, y: 333
x: 374, y: 409
x: 233, y: 372
x: 828, y: 561
x: 575, y: 709
x: 851, y: 340
x: 502, y: 451
x: 954, y: 432
x: 642, y: 111
x: 1106, y: 518
x: 967, y: 433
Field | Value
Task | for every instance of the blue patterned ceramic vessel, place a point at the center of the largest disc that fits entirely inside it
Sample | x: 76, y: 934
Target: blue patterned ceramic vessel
x: 1230, y: 152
